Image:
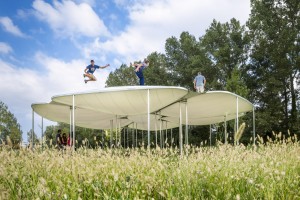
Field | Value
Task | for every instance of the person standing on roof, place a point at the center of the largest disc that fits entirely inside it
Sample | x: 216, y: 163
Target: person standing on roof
x: 139, y: 67
x: 89, y: 71
x: 199, y: 83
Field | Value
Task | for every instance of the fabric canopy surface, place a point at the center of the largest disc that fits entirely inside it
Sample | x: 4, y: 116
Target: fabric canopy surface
x: 83, y: 117
x: 125, y: 100
x: 128, y: 106
x: 208, y: 108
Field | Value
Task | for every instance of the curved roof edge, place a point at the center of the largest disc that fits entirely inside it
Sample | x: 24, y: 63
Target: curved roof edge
x: 122, y: 88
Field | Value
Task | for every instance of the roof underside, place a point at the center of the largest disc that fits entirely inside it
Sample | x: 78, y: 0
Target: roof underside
x: 128, y: 106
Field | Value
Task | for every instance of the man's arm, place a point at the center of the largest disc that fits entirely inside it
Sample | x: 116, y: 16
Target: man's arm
x: 85, y: 70
x: 104, y: 66
x: 204, y: 82
x: 195, y: 83
x: 138, y: 66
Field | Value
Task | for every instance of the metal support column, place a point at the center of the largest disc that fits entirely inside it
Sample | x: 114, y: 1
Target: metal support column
x: 148, y: 108
x: 32, y: 131
x: 73, y: 119
x: 237, y: 119
x: 111, y: 133
x: 253, y: 125
x: 225, y: 122
x: 180, y: 129
x: 210, y: 135
x: 186, y: 125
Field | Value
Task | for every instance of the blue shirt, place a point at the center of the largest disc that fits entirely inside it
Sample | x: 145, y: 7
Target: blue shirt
x: 92, y: 69
x: 199, y: 80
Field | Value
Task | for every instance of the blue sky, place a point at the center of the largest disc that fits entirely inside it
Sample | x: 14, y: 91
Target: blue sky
x: 45, y: 45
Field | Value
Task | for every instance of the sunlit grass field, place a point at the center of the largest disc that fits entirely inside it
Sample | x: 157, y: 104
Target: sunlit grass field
x: 270, y: 171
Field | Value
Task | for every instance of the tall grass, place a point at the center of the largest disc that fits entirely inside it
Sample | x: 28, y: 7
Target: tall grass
x: 270, y: 171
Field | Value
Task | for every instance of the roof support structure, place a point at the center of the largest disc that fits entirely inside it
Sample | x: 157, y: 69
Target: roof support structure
x: 186, y: 125
x: 148, y: 114
x: 73, y: 119
x: 225, y: 128
x: 180, y: 128
x: 253, y: 113
x: 32, y: 131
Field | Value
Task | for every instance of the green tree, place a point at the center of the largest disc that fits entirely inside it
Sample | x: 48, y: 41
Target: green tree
x: 236, y: 84
x: 122, y: 76
x: 181, y: 59
x: 9, y: 127
x: 226, y: 45
x: 273, y: 72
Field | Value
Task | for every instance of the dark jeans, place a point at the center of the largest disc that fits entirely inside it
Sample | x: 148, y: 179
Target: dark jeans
x: 141, y: 77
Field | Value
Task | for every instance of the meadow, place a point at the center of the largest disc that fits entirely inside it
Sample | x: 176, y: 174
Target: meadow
x: 264, y: 171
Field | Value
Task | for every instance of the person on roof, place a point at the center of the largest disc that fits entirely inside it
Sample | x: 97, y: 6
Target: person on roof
x: 89, y: 71
x: 139, y: 67
x: 199, y: 83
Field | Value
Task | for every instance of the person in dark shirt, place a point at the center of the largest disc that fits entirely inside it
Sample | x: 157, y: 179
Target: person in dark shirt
x: 139, y: 67
x: 59, y: 138
x: 89, y: 71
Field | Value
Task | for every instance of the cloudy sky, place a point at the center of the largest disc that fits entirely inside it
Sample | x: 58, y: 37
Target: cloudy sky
x: 45, y: 45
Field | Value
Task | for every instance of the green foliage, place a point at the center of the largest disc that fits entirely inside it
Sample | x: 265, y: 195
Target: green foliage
x: 121, y: 77
x: 9, y: 127
x: 273, y: 71
x: 226, y: 45
x: 236, y: 84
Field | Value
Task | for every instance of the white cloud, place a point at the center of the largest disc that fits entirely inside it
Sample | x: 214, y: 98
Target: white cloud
x: 69, y: 19
x: 5, y: 48
x: 8, y: 25
x: 20, y: 87
x: 154, y: 21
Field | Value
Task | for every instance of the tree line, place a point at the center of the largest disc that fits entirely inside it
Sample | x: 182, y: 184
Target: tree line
x: 259, y: 61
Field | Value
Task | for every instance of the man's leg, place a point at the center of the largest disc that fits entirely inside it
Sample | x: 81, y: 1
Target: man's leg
x: 142, y: 80
x: 201, y: 89
x: 141, y: 77
x: 91, y: 78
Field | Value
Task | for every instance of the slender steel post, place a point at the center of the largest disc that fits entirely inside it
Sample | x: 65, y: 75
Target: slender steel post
x: 160, y: 135
x: 167, y: 133
x: 116, y: 140
x: 148, y: 118
x: 253, y: 125
x: 225, y: 122
x: 42, y: 133
x: 71, y: 132
x: 155, y: 131
x: 180, y: 129
x: 210, y: 135
x: 32, y: 130
x: 111, y: 133
x: 132, y: 132
x: 73, y: 119
x: 171, y: 136
x: 127, y: 137
x: 124, y: 137
x: 186, y: 125
x: 120, y: 133
x: 136, y: 140
x: 237, y: 119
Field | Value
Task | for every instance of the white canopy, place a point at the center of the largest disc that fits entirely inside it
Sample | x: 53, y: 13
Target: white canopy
x: 96, y: 109
x: 84, y: 117
x: 208, y: 108
x: 130, y: 100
